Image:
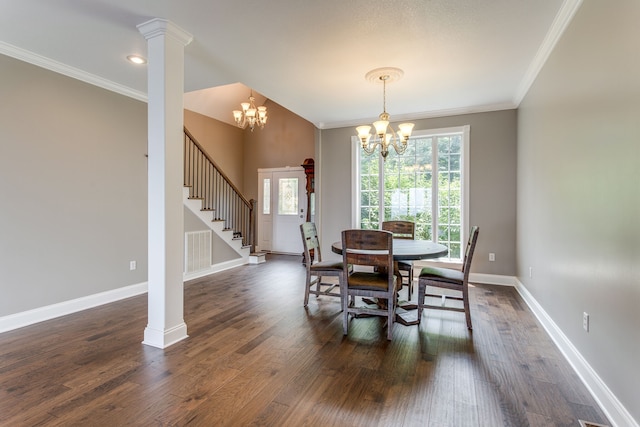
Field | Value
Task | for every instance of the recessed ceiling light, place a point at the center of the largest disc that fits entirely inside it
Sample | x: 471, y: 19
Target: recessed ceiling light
x: 137, y: 59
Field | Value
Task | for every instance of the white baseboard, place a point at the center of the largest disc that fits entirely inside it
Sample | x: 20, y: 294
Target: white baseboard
x: 29, y: 317
x: 40, y: 314
x: 492, y: 279
x: 610, y: 405
x: 216, y: 268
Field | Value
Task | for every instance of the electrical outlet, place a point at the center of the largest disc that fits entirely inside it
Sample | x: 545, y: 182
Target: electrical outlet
x: 132, y: 265
x: 585, y: 321
x: 492, y: 256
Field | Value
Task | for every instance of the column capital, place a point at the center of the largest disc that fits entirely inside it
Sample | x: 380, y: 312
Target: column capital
x: 162, y: 27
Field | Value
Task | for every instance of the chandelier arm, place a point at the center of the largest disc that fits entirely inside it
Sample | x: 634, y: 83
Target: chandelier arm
x: 401, y: 149
x: 370, y: 147
x: 395, y: 139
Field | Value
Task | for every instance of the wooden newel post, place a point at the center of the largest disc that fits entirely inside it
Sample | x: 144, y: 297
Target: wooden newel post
x: 309, y: 171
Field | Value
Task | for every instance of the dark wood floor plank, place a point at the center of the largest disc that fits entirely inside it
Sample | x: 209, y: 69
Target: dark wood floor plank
x: 255, y: 356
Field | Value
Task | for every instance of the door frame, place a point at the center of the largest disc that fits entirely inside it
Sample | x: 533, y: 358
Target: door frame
x: 265, y: 223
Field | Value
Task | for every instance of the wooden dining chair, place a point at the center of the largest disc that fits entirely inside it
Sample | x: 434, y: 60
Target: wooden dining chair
x: 403, y: 230
x: 370, y: 252
x: 449, y: 278
x: 317, y: 268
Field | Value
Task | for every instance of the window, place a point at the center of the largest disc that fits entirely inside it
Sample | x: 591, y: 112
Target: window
x: 266, y: 196
x: 425, y: 185
x: 288, y: 196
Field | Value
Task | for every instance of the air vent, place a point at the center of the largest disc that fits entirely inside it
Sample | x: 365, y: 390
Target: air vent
x: 197, y: 250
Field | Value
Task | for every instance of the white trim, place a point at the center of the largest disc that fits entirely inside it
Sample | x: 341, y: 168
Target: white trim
x: 612, y: 407
x: 158, y: 27
x: 465, y: 159
x: 560, y: 23
x: 355, y: 188
x: 282, y: 169
x: 399, y: 118
x: 40, y: 314
x: 66, y: 70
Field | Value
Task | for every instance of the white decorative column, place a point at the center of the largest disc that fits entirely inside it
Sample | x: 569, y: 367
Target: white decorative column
x: 165, y: 89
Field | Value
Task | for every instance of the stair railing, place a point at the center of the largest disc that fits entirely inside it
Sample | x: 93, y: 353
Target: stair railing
x: 207, y: 182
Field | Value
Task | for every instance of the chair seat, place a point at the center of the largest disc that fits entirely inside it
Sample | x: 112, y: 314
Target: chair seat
x: 448, y: 275
x: 370, y: 281
x: 328, y: 265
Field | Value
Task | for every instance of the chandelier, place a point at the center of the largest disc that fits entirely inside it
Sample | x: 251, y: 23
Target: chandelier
x: 384, y: 135
x: 250, y: 115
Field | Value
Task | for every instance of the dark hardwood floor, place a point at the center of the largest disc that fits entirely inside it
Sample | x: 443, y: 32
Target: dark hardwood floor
x: 255, y: 356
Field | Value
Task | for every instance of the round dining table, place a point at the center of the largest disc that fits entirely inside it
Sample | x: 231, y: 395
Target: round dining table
x: 407, y: 250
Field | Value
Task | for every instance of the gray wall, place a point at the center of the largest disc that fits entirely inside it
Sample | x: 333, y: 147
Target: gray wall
x: 492, y: 191
x: 73, y: 186
x: 579, y: 192
x: 286, y: 140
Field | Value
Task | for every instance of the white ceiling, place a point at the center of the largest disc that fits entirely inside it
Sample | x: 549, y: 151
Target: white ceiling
x: 309, y: 56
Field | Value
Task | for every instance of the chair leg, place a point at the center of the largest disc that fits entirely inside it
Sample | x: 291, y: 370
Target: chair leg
x: 306, y: 289
x: 342, y: 296
x: 345, y: 310
x: 467, y: 312
x: 391, y: 312
x: 420, y: 302
x: 410, y: 279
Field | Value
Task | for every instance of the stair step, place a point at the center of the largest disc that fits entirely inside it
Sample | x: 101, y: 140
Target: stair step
x: 257, y: 257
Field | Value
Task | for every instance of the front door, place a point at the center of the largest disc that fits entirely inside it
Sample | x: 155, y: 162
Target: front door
x: 281, y: 207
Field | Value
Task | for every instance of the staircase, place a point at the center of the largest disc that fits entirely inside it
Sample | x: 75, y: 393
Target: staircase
x: 213, y: 198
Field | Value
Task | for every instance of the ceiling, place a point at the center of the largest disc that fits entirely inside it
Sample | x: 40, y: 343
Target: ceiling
x: 309, y: 56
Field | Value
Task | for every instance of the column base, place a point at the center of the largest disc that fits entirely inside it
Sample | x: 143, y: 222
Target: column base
x: 163, y: 339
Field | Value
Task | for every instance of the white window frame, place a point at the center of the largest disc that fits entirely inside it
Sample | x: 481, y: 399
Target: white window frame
x: 356, y: 152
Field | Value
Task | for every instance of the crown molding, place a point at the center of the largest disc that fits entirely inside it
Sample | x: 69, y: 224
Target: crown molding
x: 75, y: 73
x: 397, y: 118
x: 560, y: 23
x: 162, y: 27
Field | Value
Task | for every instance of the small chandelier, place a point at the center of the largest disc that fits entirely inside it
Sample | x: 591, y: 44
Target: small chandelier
x: 381, y: 137
x: 250, y: 115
